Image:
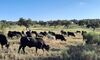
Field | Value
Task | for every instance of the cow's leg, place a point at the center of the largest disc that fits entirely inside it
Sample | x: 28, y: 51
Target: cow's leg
x: 36, y: 49
x: 2, y: 46
x: 19, y: 48
x: 43, y: 50
x: 23, y: 49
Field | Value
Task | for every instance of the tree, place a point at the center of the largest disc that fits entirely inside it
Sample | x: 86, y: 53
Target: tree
x: 21, y: 21
x: 82, y: 23
x: 42, y: 23
x: 29, y: 21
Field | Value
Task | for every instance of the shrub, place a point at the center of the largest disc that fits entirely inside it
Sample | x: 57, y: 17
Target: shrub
x: 65, y: 55
x: 87, y: 52
x: 92, y: 38
x: 89, y: 55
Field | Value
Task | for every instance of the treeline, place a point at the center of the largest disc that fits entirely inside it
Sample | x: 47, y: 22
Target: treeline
x: 29, y: 22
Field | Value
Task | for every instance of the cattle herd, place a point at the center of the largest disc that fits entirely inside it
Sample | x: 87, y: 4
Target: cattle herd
x: 37, y: 40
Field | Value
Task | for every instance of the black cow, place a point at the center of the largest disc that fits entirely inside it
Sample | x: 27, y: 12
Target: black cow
x: 38, y: 43
x: 11, y: 34
x: 3, y: 41
x: 34, y: 32
x: 71, y: 34
x: 63, y: 32
x: 58, y: 36
x: 43, y: 33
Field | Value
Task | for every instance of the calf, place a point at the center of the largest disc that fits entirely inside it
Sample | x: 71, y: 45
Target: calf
x: 3, y: 41
x: 38, y: 43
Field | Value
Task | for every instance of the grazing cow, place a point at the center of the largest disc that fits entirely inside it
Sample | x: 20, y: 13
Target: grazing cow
x: 71, y: 34
x: 43, y: 33
x: 63, y: 32
x: 78, y: 31
x: 18, y: 33
x: 3, y: 41
x: 34, y: 32
x: 11, y: 34
x: 38, y: 43
x: 58, y: 36
x: 52, y: 33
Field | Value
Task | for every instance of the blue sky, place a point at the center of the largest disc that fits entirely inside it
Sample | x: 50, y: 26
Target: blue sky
x: 49, y: 9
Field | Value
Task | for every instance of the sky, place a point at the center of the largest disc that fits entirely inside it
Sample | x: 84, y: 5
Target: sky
x: 49, y: 9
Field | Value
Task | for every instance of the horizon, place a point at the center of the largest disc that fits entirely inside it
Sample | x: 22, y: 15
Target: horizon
x: 48, y: 20
x: 46, y: 10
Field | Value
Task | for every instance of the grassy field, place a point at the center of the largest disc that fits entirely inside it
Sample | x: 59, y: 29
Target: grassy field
x: 56, y: 46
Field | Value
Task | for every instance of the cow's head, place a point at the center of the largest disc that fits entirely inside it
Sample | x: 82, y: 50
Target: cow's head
x: 47, y: 47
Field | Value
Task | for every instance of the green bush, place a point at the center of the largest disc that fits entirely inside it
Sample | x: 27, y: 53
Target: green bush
x: 65, y: 55
x: 92, y: 38
x: 89, y: 55
x: 87, y: 52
